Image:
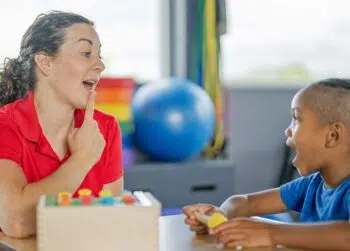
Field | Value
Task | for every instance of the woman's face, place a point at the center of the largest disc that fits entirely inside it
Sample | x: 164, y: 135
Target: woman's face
x: 77, y: 67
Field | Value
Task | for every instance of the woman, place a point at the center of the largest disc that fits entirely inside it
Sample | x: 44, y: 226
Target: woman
x: 52, y: 139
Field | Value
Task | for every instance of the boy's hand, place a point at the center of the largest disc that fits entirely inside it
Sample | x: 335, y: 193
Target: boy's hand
x: 244, y: 232
x: 195, y: 225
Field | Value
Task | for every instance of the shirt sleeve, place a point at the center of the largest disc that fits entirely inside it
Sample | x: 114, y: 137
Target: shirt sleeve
x: 293, y: 193
x: 114, y: 167
x: 10, y: 145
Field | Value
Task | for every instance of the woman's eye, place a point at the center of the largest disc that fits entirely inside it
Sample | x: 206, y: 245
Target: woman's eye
x: 86, y: 54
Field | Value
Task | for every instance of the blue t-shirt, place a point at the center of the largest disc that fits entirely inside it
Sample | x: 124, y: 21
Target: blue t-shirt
x: 314, y: 201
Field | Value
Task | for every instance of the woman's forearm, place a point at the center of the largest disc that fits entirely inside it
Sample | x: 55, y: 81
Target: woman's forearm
x: 67, y: 178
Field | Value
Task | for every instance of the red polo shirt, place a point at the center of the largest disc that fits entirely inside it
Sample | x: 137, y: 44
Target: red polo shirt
x: 22, y: 141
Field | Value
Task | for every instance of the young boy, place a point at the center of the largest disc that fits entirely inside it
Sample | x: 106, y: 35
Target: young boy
x: 320, y: 134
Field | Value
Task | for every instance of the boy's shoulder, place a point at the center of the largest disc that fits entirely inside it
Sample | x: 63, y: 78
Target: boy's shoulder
x: 314, y: 178
x: 304, y: 183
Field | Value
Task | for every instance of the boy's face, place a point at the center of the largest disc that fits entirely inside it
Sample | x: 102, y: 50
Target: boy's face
x: 307, y: 135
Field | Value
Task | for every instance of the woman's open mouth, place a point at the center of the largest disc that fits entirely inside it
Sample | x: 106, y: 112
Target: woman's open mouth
x: 89, y: 84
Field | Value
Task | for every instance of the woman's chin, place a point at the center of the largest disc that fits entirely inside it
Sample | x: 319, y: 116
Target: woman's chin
x: 79, y: 104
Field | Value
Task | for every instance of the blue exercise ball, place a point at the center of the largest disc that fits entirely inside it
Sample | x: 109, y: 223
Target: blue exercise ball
x: 174, y: 119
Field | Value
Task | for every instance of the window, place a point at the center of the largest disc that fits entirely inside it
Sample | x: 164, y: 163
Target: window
x: 129, y: 31
x: 282, y: 41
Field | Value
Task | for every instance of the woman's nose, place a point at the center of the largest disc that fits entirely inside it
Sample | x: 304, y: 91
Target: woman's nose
x: 100, y: 66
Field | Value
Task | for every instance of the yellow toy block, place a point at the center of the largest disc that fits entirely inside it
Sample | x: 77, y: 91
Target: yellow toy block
x: 211, y: 221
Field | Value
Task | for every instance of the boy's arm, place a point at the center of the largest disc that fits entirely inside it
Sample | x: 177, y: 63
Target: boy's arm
x: 254, y: 204
x: 249, y: 232
x: 319, y: 236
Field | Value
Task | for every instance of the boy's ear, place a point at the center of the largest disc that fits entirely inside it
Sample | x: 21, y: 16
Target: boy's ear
x: 335, y: 134
x: 43, y: 62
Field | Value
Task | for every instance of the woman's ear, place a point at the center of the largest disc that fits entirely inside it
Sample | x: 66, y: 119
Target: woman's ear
x: 335, y: 135
x: 43, y: 62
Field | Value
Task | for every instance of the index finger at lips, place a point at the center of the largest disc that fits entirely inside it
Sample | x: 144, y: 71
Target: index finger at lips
x: 90, y: 106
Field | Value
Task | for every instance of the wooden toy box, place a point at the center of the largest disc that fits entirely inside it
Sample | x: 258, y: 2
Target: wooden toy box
x: 99, y: 227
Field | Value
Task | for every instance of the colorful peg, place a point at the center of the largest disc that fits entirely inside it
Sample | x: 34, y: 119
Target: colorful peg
x: 106, y: 197
x: 105, y: 193
x: 51, y: 200
x: 84, y: 192
x: 85, y: 196
x: 75, y: 202
x: 64, y: 198
x: 128, y: 199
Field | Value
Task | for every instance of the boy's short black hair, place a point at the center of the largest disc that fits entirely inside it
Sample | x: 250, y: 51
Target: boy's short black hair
x: 330, y: 99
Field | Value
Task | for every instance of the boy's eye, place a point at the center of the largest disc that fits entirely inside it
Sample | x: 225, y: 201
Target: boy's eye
x: 295, y: 119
